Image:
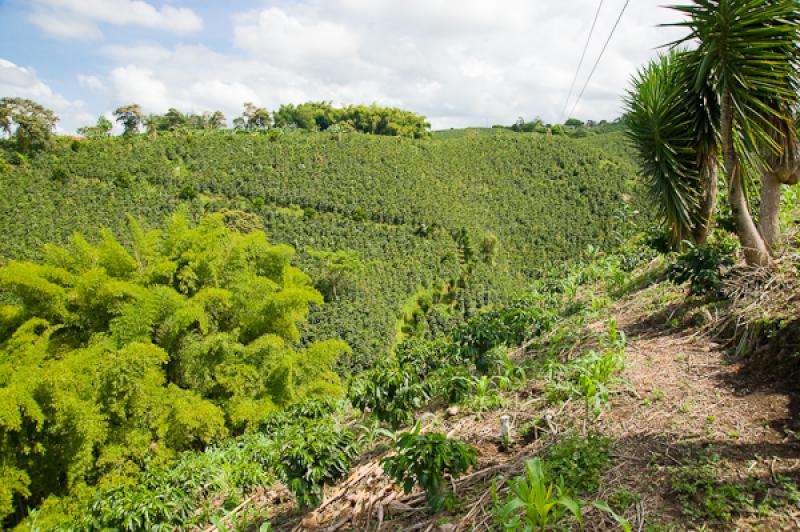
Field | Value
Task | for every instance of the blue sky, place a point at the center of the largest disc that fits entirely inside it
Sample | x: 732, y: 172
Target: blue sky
x: 460, y: 62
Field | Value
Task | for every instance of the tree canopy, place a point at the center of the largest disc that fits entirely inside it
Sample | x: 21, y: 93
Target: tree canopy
x: 29, y: 123
x: 112, y: 356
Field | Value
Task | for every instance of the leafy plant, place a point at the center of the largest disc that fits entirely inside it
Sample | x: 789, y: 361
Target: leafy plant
x: 578, y: 461
x: 704, y: 267
x: 534, y: 502
x: 485, y: 394
x: 427, y: 460
x: 315, y: 454
x: 390, y: 393
x: 112, y: 356
x: 705, y: 496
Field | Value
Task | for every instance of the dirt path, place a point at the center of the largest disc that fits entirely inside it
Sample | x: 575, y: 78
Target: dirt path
x: 681, y: 406
x: 684, y: 401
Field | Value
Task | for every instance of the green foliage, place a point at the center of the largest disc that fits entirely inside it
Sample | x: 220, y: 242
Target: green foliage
x: 667, y: 116
x: 342, y: 270
x: 427, y: 460
x: 130, y: 117
x: 534, y: 502
x: 578, y: 461
x: 112, y: 356
x: 483, y: 338
x: 590, y: 376
x: 705, y: 267
x: 184, y: 494
x: 315, y: 454
x: 28, y: 123
x: 391, y: 394
x: 415, y: 196
x: 321, y: 116
x: 98, y: 131
x: 485, y: 394
x: 704, y: 496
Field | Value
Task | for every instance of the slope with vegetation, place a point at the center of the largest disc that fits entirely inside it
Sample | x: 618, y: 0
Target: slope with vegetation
x: 412, y: 212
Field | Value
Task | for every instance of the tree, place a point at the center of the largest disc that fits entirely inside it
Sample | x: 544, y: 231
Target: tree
x: 341, y: 267
x: 28, y: 123
x: 669, y: 123
x: 255, y: 117
x: 745, y: 66
x: 573, y: 122
x: 130, y: 116
x: 112, y: 357
x: 100, y: 130
x: 215, y: 120
x: 152, y: 125
x: 174, y: 119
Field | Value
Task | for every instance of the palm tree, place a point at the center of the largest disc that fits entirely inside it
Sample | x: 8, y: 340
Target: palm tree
x: 733, y: 94
x: 747, y: 53
x: 669, y: 121
x: 782, y: 168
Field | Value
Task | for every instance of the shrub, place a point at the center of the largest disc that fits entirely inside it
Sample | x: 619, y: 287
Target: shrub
x: 391, y: 393
x: 315, y: 454
x: 111, y: 357
x: 577, y: 462
x: 60, y: 174
x: 704, y: 267
x: 426, y: 460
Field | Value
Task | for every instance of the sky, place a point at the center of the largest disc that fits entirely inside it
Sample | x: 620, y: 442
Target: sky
x: 459, y: 62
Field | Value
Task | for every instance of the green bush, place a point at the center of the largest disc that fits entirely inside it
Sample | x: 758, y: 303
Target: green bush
x: 112, y: 356
x: 577, y: 462
x: 427, y: 460
x: 390, y: 393
x: 704, y: 267
x: 315, y: 454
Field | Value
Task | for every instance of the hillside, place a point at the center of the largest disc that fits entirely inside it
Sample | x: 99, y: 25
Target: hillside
x: 682, y: 434
x: 411, y: 210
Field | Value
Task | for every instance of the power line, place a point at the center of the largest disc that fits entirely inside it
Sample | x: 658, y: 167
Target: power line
x: 610, y: 35
x: 583, y: 56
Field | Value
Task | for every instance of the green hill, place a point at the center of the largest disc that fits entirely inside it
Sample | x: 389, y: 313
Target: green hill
x: 413, y: 210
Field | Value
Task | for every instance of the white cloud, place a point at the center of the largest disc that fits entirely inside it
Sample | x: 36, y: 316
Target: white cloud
x: 80, y: 19
x: 293, y: 39
x: 91, y: 82
x: 459, y: 62
x: 21, y: 82
x: 138, y: 85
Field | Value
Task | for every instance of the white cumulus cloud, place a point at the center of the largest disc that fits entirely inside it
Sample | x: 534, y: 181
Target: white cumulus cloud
x: 80, y: 19
x: 22, y: 82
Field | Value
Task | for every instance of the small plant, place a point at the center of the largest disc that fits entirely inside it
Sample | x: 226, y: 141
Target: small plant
x: 590, y: 376
x: 577, y: 461
x: 485, y: 396
x: 534, y: 502
x: 315, y: 453
x: 427, y: 460
x: 704, y: 496
x: 704, y: 267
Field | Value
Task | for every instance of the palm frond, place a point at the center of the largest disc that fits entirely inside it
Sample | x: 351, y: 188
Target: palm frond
x: 672, y: 126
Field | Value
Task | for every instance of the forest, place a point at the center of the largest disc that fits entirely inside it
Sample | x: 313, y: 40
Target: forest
x: 333, y: 318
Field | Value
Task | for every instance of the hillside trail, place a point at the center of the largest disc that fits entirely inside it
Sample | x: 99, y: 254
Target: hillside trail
x: 684, y: 399
x: 680, y: 401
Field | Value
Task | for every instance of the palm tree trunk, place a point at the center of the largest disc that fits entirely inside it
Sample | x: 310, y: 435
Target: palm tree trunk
x: 756, y: 252
x: 709, y: 206
x: 769, y: 218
